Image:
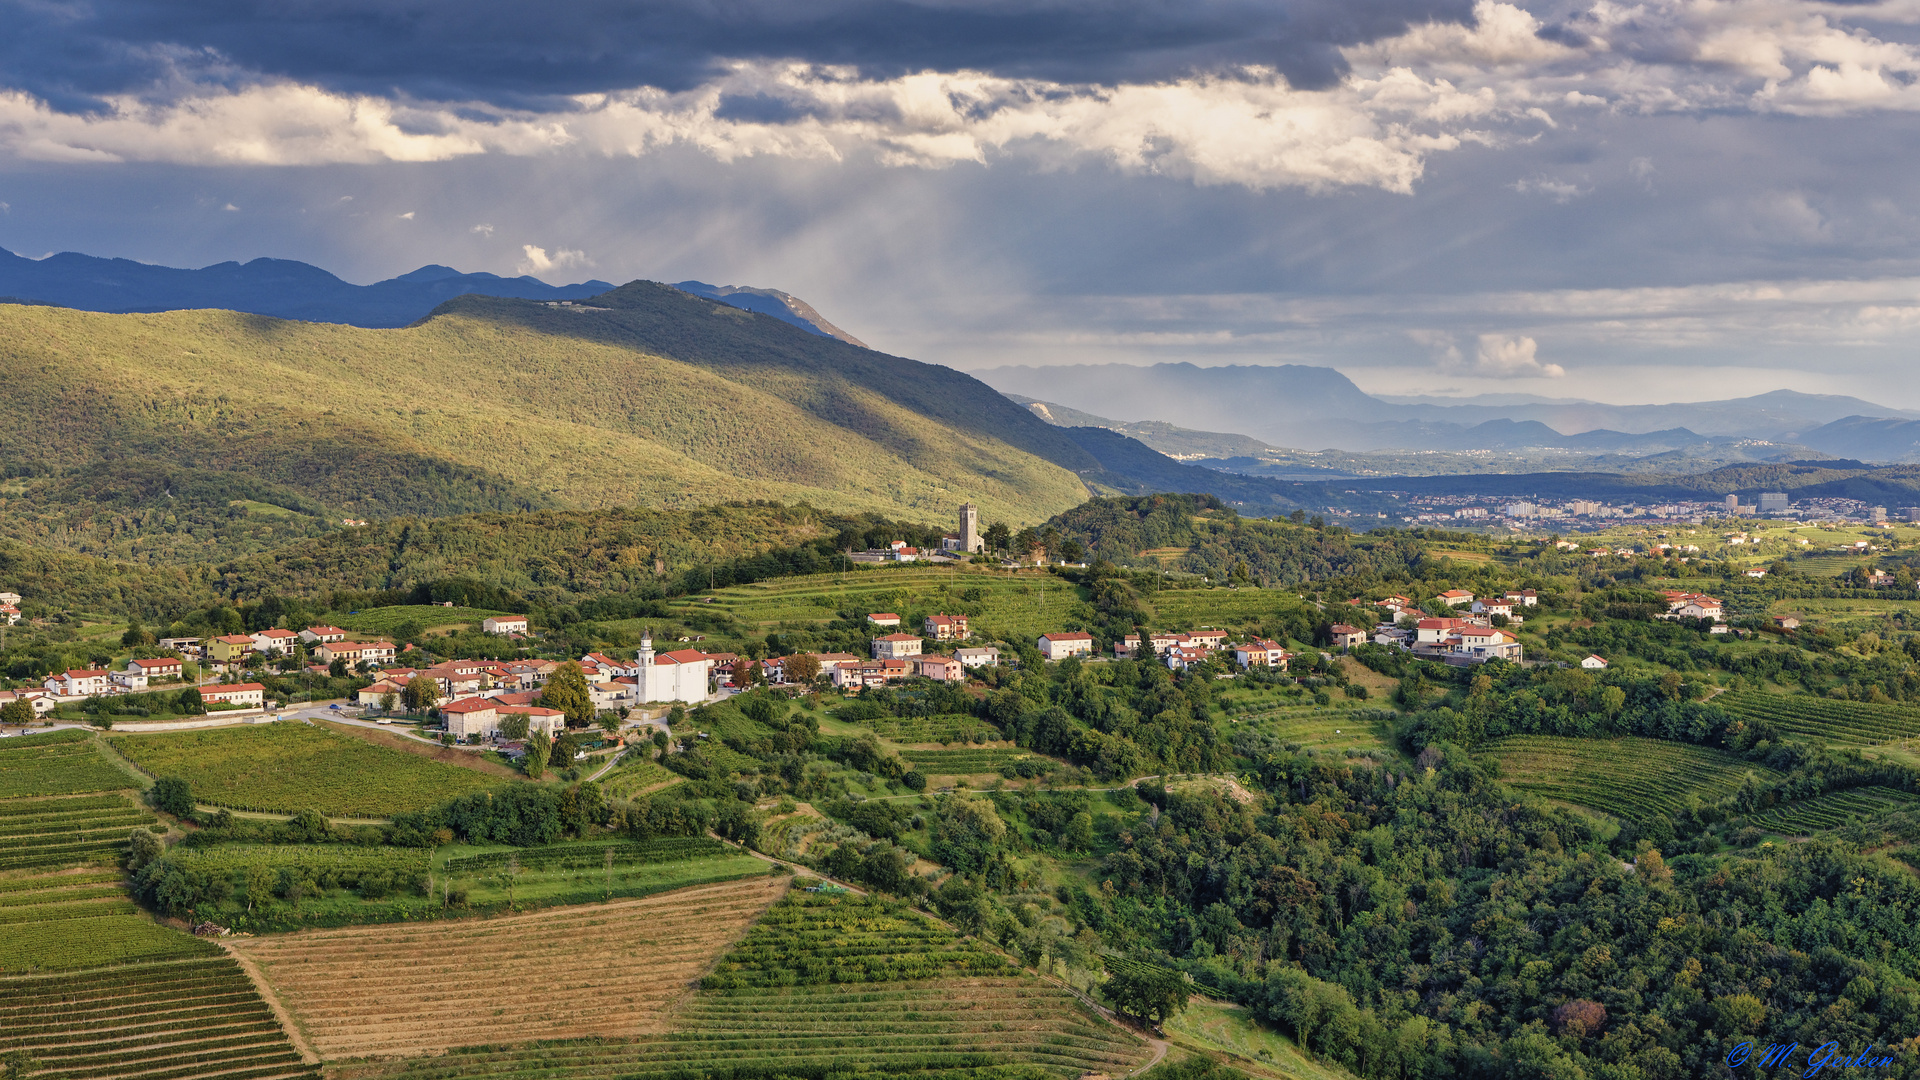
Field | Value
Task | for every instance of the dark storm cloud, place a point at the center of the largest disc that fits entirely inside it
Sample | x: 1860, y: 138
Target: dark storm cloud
x: 518, y: 53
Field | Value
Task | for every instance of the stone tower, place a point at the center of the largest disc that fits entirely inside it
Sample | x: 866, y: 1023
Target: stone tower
x: 970, y: 541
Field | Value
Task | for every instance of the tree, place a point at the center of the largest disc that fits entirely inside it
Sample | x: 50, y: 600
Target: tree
x: 421, y: 693
x: 746, y: 674
x: 609, y: 722
x: 142, y: 848
x: 660, y: 741
x: 337, y: 669
x: 967, y: 833
x: 538, y: 747
x: 171, y: 795
x: 136, y: 635
x: 190, y: 703
x: 514, y: 726
x: 18, y: 711
x: 567, y: 691
x: 259, y: 884
x: 997, y: 537
x: 1147, y: 992
x: 803, y: 669
x: 388, y: 701
x: 1073, y: 551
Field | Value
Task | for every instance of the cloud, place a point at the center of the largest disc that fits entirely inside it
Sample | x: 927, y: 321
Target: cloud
x: 537, y: 261
x: 483, y: 230
x: 1560, y: 191
x: 408, y: 216
x: 1503, y: 357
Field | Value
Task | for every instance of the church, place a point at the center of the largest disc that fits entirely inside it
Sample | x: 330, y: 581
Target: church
x: 681, y: 675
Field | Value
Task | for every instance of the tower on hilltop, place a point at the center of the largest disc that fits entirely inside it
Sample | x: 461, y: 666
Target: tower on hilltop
x: 970, y: 541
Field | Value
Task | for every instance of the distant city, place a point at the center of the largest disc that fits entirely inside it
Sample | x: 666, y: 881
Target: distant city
x: 1585, y: 515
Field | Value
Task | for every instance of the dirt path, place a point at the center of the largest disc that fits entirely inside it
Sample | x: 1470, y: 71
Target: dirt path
x: 272, y: 999
x: 1160, y: 1048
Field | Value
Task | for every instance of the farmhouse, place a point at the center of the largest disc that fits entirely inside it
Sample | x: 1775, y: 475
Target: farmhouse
x: 1456, y: 597
x: 1786, y: 622
x: 896, y: 646
x: 1182, y: 657
x: 1493, y: 607
x: 373, y: 696
x: 9, y: 614
x: 246, y: 695
x: 1594, y: 663
x: 320, y: 635
x: 884, y: 618
x: 1482, y: 643
x: 41, y: 701
x: 982, y: 656
x: 1756, y: 571
x: 161, y: 667
x: 1523, y: 597
x: 1059, y: 646
x: 504, y: 624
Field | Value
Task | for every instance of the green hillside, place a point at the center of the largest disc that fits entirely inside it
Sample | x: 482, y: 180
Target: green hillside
x: 189, y: 434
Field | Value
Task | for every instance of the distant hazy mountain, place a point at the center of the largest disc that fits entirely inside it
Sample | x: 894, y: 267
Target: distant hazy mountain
x: 783, y: 306
x: 1313, y: 407
x: 1868, y: 438
x: 283, y: 288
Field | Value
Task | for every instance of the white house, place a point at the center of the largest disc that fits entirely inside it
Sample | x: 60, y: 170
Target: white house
x: 980, y: 656
x: 320, y: 635
x: 250, y: 695
x: 1059, y: 646
x: 1493, y: 607
x: 41, y: 701
x: 160, y: 667
x: 274, y: 641
x: 884, y: 618
x: 80, y: 683
x: 896, y: 646
x: 129, y: 681
x: 1436, y: 631
x: 504, y: 624
x: 1486, y: 643
x: 1594, y: 663
x: 1456, y: 597
x: 9, y: 614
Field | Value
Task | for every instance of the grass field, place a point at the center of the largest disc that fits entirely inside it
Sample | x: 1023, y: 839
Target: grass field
x: 837, y: 985
x: 1631, y: 778
x: 58, y: 763
x: 1344, y: 725
x: 289, y: 767
x: 1834, y: 809
x: 602, y: 969
x: 177, y: 1019
x: 1221, y: 1028
x: 387, y: 619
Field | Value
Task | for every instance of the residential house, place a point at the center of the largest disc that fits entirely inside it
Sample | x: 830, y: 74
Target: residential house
x: 1456, y: 597
x: 724, y: 665
x: 246, y: 695
x: 539, y: 717
x: 9, y: 614
x: 1493, y: 607
x: 41, y: 701
x: 1059, y: 646
x: 1128, y: 646
x: 80, y: 683
x: 896, y: 646
x: 884, y: 618
x: 1756, y: 571
x: 1394, y: 604
x: 129, y: 681
x: 373, y: 696
x: 1345, y: 636
x: 275, y: 641
x: 1204, y: 639
x: 1436, y: 631
x: 321, y: 635
x: 981, y: 656
x: 946, y: 627
x: 1786, y: 622
x: 529, y: 674
x: 871, y: 673
x: 1182, y: 657
x: 472, y: 716
x: 229, y: 648
x: 504, y: 624
x: 941, y: 668
x: 1483, y: 643
x: 1594, y: 663
x: 11, y: 599
x: 160, y: 668
x: 1523, y: 597
x: 1261, y: 653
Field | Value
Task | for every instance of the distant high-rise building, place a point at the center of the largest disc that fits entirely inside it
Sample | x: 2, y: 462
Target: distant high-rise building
x: 1773, y: 502
x: 970, y: 540
x: 1877, y: 513
x: 1583, y: 508
x: 1733, y: 504
x: 1911, y: 513
x: 1522, y: 510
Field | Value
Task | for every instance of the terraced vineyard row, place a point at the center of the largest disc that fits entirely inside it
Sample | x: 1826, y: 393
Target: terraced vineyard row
x: 1834, y: 809
x: 165, y: 1020
x: 58, y: 831
x: 792, y: 999
x: 1632, y: 778
x: 592, y: 856
x: 1855, y: 722
x: 961, y: 762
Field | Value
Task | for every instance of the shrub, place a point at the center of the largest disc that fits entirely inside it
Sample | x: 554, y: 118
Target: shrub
x: 171, y: 795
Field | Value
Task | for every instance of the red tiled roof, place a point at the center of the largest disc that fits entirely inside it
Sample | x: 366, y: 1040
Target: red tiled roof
x: 1074, y: 635
x: 231, y: 688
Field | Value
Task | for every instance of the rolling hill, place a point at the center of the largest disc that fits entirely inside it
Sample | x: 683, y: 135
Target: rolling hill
x: 647, y: 396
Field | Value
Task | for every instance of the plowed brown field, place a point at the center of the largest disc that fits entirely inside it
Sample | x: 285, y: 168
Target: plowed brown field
x: 600, y: 969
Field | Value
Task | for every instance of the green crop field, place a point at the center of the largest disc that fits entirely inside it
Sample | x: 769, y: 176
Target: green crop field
x: 957, y: 728
x: 845, y: 984
x: 57, y: 763
x: 590, y: 856
x: 1834, y: 809
x: 56, y: 831
x: 289, y: 767
x: 637, y: 775
x: 192, y: 1016
x: 387, y: 619
x: 1632, y: 778
x: 1856, y: 723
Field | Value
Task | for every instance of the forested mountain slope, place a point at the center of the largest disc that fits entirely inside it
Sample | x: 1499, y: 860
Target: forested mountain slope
x: 651, y: 397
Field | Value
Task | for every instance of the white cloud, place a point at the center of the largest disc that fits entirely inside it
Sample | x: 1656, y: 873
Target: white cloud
x: 483, y: 230
x: 1559, y: 191
x: 537, y: 261
x: 408, y: 216
x: 230, y: 207
x: 1503, y: 357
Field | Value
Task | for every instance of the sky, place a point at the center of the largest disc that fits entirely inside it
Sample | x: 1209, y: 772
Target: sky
x: 1630, y: 202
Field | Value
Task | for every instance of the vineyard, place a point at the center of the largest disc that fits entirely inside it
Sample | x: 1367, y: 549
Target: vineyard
x: 591, y: 856
x: 51, y: 898
x: 1834, y: 809
x: 286, y: 768
x: 839, y: 985
x: 48, y: 832
x: 1856, y: 723
x: 57, y: 763
x: 1635, y: 779
x: 932, y: 729
x: 964, y: 762
x: 164, y: 1020
x: 638, y: 775
x: 602, y: 969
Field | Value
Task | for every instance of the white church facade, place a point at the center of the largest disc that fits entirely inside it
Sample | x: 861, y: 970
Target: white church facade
x: 682, y: 675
